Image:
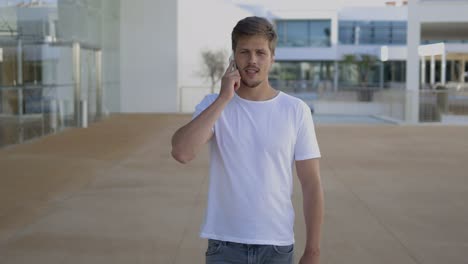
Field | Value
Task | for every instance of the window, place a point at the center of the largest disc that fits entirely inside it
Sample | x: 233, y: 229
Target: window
x: 303, y: 33
x: 372, y: 32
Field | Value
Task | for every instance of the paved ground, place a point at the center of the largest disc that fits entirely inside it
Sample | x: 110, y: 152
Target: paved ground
x: 112, y: 194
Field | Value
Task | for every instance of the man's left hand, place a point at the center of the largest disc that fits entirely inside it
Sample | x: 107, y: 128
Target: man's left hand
x: 309, y: 259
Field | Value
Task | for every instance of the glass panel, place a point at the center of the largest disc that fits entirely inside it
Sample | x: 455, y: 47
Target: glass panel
x: 36, y: 63
x: 372, y: 32
x: 298, y: 77
x: 297, y: 33
x: 346, y: 32
x: 281, y: 30
x: 366, y: 33
x: 382, y: 32
x: 320, y: 33
x: 88, y: 81
x: 348, y: 75
x: 399, y: 32
x: 303, y: 33
x: 83, y: 21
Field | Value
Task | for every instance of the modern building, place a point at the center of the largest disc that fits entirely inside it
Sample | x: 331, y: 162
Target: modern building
x: 313, y: 44
x: 69, y: 62
x: 52, y: 57
x: 429, y: 22
x: 315, y: 49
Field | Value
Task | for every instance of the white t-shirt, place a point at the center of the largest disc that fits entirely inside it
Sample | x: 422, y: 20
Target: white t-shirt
x: 252, y: 152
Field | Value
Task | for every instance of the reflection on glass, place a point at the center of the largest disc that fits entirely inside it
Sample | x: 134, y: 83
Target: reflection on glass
x: 300, y: 77
x: 36, y: 63
x: 372, y: 32
x: 303, y: 33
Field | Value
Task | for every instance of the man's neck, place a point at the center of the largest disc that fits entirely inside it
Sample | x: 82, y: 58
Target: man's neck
x: 260, y: 93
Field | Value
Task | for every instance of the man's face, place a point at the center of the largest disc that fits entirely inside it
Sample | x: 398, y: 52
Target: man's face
x: 253, y: 59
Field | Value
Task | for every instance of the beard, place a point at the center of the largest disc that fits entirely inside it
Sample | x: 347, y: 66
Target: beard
x: 251, y: 84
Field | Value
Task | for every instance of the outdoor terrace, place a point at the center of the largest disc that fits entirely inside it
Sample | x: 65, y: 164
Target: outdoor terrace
x: 112, y: 193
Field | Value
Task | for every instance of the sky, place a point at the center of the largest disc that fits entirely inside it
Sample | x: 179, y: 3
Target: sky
x: 311, y: 4
x: 271, y: 4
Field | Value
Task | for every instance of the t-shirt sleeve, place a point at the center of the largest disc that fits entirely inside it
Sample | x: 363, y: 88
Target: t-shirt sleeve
x: 207, y: 101
x: 306, y: 146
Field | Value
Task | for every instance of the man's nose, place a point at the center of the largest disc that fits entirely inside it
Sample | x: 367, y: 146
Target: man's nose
x: 253, y: 59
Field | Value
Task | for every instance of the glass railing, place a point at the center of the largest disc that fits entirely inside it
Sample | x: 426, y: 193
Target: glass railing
x: 52, y: 55
x: 438, y: 103
x: 31, y: 111
x: 444, y: 103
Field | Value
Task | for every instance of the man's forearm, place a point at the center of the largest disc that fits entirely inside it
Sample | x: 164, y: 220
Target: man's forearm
x: 190, y: 137
x: 313, y: 214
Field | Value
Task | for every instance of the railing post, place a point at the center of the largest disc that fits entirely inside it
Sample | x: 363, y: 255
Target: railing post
x: 84, y: 113
x: 53, y: 114
x: 76, y: 80
x: 381, y: 75
x: 19, y: 77
x: 443, y: 68
x: 336, y: 76
x: 462, y: 70
x: 423, y: 70
x: 99, y: 88
x: 432, y: 69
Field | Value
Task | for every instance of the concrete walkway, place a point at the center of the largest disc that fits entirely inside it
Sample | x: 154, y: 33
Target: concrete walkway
x: 112, y: 194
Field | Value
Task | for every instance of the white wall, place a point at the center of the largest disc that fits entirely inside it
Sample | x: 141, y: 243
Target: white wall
x: 202, y: 24
x: 111, y: 55
x: 412, y: 65
x: 392, y: 13
x: 441, y: 11
x: 148, y: 37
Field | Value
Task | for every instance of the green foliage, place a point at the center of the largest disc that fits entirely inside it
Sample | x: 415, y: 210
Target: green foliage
x: 362, y: 64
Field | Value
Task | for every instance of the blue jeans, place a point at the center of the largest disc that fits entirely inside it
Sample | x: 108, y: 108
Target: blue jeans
x: 224, y: 252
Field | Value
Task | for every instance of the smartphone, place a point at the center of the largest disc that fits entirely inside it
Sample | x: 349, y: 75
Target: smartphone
x: 231, y: 59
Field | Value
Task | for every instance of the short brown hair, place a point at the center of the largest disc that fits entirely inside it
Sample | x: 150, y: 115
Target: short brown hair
x: 254, y: 26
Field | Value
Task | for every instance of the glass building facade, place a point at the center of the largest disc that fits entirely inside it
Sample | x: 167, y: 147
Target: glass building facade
x: 372, y: 32
x: 303, y: 33
x: 391, y: 72
x: 58, y: 59
x: 310, y: 76
x: 304, y: 76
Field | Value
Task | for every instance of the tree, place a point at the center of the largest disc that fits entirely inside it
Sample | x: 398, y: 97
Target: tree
x: 363, y: 64
x: 214, y: 64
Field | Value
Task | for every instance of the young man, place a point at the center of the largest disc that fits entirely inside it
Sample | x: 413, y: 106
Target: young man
x: 255, y: 135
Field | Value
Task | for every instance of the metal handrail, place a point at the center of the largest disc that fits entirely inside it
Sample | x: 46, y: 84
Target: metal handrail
x: 54, y: 43
x: 34, y: 86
